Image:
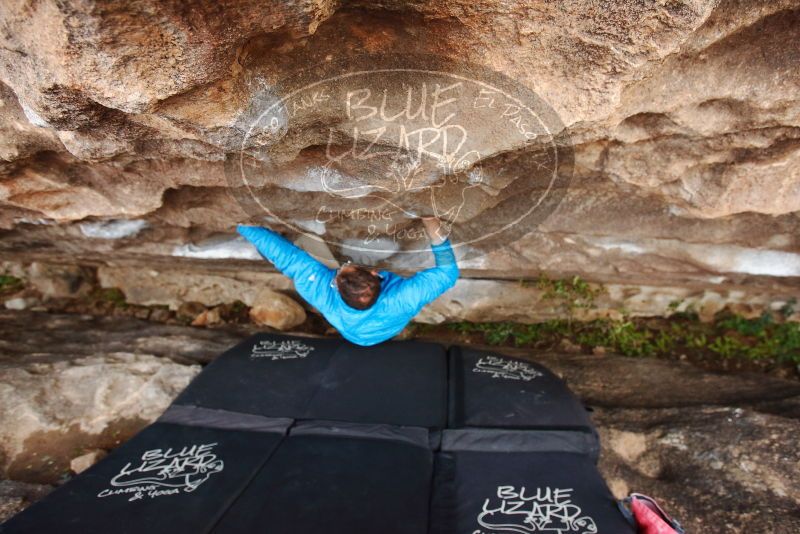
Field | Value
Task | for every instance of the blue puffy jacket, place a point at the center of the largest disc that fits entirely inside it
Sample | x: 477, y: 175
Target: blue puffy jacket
x: 399, y: 301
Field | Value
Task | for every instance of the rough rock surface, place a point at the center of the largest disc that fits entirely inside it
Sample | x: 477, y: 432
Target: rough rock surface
x: 739, y: 477
x: 274, y: 309
x: 57, y: 403
x: 717, y: 449
x: 81, y: 463
x: 96, y: 400
x: 684, y: 117
x: 22, y: 336
x: 172, y: 287
x: 16, y: 496
x: 176, y: 283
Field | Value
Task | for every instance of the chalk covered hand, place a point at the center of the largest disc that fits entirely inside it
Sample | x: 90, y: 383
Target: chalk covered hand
x: 437, y: 231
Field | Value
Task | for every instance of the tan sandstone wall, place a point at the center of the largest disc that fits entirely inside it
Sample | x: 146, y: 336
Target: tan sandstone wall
x: 684, y: 117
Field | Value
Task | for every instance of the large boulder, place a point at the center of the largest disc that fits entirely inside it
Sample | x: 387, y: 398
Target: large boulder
x: 683, y: 121
x: 277, y: 310
x: 90, y: 402
x: 70, y: 385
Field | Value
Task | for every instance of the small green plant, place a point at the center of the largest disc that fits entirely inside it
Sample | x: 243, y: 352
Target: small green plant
x: 574, y: 292
x: 746, y: 327
x: 238, y: 307
x: 497, y: 333
x: 784, y: 342
x: 697, y: 341
x: 664, y: 342
x: 10, y: 283
x: 571, y: 294
x: 624, y: 337
x: 763, y: 338
x: 526, y: 335
x: 463, y: 327
x: 560, y: 327
x: 789, y: 308
x: 627, y: 339
x: 592, y: 335
x: 729, y: 336
x: 727, y: 347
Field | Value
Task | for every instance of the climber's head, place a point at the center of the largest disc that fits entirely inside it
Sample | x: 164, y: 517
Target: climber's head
x: 359, y: 286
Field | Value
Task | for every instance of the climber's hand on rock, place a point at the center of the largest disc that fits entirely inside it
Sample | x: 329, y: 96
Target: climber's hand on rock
x: 437, y: 231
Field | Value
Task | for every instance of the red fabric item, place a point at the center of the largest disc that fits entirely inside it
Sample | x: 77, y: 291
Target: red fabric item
x: 648, y: 521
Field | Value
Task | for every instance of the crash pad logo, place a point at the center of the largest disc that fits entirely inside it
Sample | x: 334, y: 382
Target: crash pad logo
x: 363, y: 146
x: 524, y: 511
x: 281, y: 350
x: 162, y: 472
x: 508, y: 369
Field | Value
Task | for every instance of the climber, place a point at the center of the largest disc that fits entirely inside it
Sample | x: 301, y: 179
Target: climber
x: 365, y: 305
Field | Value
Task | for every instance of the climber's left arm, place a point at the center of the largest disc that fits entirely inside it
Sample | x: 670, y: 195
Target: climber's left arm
x: 425, y: 286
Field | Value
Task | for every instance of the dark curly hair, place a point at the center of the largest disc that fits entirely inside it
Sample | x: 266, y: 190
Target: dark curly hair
x: 359, y: 286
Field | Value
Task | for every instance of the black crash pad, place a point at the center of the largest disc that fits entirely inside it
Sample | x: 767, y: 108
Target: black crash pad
x: 401, y: 383
x: 491, y: 390
x: 298, y: 435
x: 524, y: 492
x: 169, y: 478
x: 340, y: 479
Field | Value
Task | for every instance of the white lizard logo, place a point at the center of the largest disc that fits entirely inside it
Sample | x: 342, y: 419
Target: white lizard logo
x: 508, y: 369
x: 281, y: 350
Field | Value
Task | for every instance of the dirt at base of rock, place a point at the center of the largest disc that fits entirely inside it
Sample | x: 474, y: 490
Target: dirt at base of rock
x: 15, y: 496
